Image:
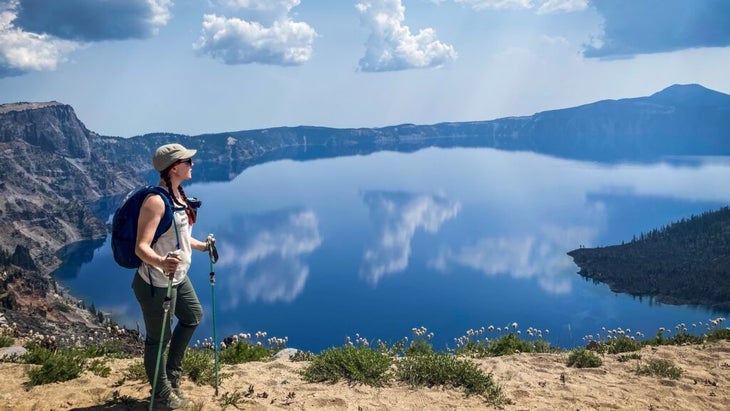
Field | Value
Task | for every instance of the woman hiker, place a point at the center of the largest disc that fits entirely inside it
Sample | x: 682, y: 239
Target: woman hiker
x: 167, y: 261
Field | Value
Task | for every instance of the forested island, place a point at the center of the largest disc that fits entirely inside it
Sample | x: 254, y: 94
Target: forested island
x: 686, y: 262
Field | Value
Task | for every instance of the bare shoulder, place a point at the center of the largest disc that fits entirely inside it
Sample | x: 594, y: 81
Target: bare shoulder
x: 154, y: 203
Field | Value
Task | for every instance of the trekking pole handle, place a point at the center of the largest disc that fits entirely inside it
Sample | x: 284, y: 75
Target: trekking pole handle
x: 175, y: 254
x: 212, y: 255
x: 212, y: 251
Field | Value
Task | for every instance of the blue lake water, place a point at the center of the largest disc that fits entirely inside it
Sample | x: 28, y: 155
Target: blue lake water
x: 447, y: 239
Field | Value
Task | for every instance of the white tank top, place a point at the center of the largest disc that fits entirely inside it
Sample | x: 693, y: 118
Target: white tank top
x: 168, y: 242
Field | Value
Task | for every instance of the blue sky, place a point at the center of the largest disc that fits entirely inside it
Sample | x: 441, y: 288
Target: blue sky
x: 131, y: 67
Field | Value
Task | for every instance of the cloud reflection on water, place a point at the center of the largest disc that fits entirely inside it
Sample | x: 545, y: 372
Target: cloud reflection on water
x: 397, y: 216
x: 512, y: 214
x: 540, y: 255
x: 262, y: 255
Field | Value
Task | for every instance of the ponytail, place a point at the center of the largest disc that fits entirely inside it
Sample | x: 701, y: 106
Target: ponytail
x: 189, y: 210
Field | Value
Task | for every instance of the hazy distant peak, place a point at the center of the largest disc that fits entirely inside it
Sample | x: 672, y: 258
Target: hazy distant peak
x: 690, y: 95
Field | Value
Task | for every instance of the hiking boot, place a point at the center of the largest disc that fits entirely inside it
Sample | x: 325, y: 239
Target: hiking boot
x: 179, y: 393
x: 169, y: 401
x: 175, y: 385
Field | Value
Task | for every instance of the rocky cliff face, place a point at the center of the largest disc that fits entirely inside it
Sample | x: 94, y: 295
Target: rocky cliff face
x: 48, y: 176
x: 51, y: 172
x: 51, y: 126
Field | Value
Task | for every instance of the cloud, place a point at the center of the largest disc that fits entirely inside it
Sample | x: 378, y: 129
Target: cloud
x: 391, y: 46
x: 540, y: 6
x: 37, y: 35
x: 397, y: 217
x: 644, y: 27
x: 266, y: 34
x: 93, y: 20
x: 263, y: 256
x: 21, y: 51
x: 261, y: 10
x: 540, y: 255
x: 562, y: 6
x: 496, y: 4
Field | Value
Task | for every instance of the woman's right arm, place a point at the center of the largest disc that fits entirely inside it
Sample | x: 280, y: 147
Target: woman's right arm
x: 150, y: 216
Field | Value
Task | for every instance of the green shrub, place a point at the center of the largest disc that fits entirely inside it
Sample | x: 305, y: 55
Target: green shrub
x: 99, y: 367
x: 684, y: 338
x: 354, y: 364
x: 110, y: 348
x: 719, y: 334
x: 7, y: 336
x: 681, y: 338
x: 36, y: 354
x: 622, y: 344
x: 476, y: 349
x: 627, y: 357
x: 233, y: 398
x: 418, y: 347
x: 403, y: 347
x: 301, y: 355
x: 6, y: 341
x: 244, y: 351
x: 507, y: 345
x: 136, y: 371
x: 443, y: 369
x: 57, y: 367
x: 582, y: 358
x: 199, y: 367
x: 659, y: 368
x: 543, y: 346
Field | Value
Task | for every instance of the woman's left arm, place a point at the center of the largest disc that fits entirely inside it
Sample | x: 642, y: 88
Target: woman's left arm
x: 198, y: 245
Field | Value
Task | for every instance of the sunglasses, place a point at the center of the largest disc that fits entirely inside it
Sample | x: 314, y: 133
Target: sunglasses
x: 187, y: 161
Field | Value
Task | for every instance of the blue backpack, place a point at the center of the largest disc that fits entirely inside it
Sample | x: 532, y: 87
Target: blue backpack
x: 124, y: 224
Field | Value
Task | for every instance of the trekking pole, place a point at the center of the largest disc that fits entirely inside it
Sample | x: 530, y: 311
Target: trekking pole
x: 213, y: 257
x: 166, y: 309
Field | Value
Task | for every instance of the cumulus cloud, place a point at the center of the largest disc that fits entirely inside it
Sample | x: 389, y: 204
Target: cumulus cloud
x: 263, y: 256
x: 39, y: 35
x: 643, y: 27
x: 561, y: 6
x: 496, y: 4
x: 21, y: 51
x: 397, y: 217
x: 93, y: 20
x: 261, y: 10
x: 538, y: 255
x: 391, y: 45
x: 265, y: 34
x: 540, y: 6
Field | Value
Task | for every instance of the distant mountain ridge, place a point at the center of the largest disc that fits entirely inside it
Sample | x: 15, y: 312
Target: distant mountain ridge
x: 679, y: 120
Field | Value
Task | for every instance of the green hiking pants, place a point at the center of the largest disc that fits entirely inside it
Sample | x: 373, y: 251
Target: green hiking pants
x: 185, y: 306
